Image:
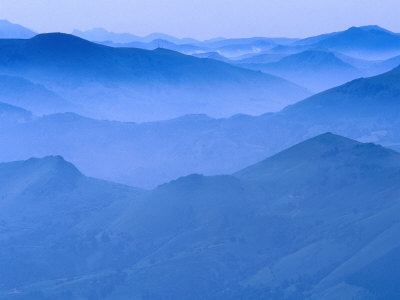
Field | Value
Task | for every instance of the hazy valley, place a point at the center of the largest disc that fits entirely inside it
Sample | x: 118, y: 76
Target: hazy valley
x: 158, y: 167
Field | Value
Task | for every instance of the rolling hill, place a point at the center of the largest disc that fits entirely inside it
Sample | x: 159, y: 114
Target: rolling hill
x: 256, y: 233
x: 150, y: 153
x: 48, y: 209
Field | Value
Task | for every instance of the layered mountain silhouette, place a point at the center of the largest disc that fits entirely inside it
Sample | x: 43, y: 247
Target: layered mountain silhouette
x: 147, y: 154
x: 387, y: 65
x: 189, y: 49
x: 318, y: 63
x: 364, y: 42
x: 33, y: 97
x: 246, y: 197
x: 246, y: 41
x: 360, y: 97
x: 13, y: 115
x: 237, y: 47
x: 260, y: 58
x: 367, y: 51
x: 256, y: 233
x: 316, y: 219
x: 315, y: 69
x: 136, y: 84
x: 230, y: 47
x: 103, y: 35
x: 212, y: 55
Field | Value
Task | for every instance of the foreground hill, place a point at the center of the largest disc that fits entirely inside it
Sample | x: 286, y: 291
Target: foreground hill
x: 49, y: 210
x: 255, y: 234
x: 137, y: 84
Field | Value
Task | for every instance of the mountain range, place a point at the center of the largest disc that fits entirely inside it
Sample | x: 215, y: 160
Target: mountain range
x: 103, y: 35
x: 315, y: 69
x: 234, y: 181
x: 150, y: 153
x: 256, y: 233
x: 136, y: 84
x: 364, y: 41
x: 368, y: 42
x: 21, y: 92
x: 226, y: 46
x: 315, y: 63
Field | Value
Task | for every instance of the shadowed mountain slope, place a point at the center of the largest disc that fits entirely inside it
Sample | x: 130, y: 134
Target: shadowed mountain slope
x: 257, y: 233
x: 147, y: 154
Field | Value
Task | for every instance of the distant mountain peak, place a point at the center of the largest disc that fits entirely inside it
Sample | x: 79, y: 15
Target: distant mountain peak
x: 323, y: 142
x: 324, y: 152
x: 318, y: 55
x: 100, y: 35
x: 10, y: 30
x: 366, y: 28
x: 53, y: 163
x: 374, y: 27
x: 58, y: 36
x: 63, y: 43
x: 10, y: 112
x: 331, y: 138
x: 49, y: 172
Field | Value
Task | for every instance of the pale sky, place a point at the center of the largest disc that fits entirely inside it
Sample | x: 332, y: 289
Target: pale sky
x: 203, y: 19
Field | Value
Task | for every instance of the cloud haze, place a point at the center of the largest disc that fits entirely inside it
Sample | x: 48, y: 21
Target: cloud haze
x: 203, y: 18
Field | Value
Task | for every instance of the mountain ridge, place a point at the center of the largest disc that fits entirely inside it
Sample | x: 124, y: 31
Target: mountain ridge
x: 315, y: 69
x: 243, y: 238
x: 70, y: 66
